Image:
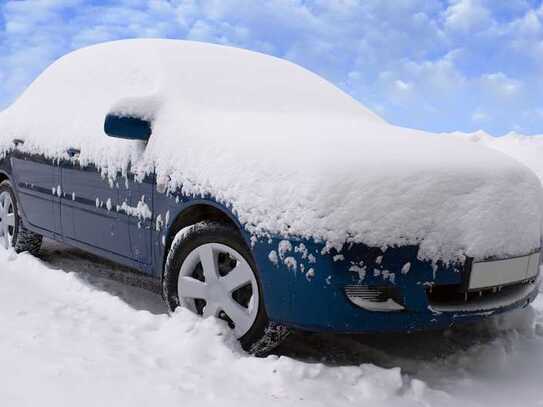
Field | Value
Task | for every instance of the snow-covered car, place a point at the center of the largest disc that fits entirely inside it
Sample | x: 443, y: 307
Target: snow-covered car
x: 254, y: 191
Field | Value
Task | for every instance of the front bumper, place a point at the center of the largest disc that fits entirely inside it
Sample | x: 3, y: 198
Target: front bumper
x: 306, y: 288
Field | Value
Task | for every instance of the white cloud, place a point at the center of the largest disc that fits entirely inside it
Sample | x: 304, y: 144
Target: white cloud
x: 530, y: 24
x: 479, y: 116
x: 500, y: 84
x: 440, y: 74
x: 467, y: 15
x: 403, y: 86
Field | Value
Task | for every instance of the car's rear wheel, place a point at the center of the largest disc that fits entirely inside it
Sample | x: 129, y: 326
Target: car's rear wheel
x: 210, y: 271
x: 12, y: 231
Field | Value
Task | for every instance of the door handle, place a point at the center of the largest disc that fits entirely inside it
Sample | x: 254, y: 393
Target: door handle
x: 72, y: 152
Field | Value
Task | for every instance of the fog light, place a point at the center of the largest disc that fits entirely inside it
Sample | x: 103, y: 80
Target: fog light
x: 375, y: 298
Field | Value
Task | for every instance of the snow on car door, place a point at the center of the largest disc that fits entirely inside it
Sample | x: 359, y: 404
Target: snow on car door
x: 89, y: 210
x: 136, y: 207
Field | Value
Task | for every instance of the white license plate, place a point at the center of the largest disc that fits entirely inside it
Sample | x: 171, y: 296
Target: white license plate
x: 486, y: 274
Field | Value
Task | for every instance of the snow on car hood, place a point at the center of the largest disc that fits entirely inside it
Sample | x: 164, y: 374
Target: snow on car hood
x: 526, y: 149
x: 290, y: 153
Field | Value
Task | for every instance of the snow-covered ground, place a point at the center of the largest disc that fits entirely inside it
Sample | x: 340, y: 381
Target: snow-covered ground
x: 72, y: 336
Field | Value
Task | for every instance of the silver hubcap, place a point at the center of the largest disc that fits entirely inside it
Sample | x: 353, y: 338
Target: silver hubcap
x: 215, y: 280
x: 7, y: 220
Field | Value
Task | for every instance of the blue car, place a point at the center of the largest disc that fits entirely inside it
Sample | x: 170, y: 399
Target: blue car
x: 252, y: 190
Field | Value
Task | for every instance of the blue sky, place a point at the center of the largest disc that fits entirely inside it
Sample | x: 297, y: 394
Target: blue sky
x: 435, y: 65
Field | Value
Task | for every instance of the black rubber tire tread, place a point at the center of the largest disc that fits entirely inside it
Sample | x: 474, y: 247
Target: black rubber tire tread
x: 23, y: 239
x: 263, y: 335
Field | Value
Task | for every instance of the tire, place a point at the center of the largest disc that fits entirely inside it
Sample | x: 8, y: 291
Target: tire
x: 12, y: 231
x: 232, y: 290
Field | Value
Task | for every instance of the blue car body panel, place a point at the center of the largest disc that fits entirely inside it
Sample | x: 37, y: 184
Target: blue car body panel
x: 88, y: 210
x: 302, y: 282
x: 319, y: 303
x: 37, y: 180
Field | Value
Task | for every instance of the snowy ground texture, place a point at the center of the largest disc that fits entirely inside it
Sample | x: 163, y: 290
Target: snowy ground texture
x: 72, y: 336
x: 75, y: 338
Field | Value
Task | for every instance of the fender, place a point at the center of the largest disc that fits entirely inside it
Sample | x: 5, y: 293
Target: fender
x: 174, y: 211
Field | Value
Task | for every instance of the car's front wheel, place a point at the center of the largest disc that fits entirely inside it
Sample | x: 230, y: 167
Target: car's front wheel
x: 210, y: 271
x: 12, y: 231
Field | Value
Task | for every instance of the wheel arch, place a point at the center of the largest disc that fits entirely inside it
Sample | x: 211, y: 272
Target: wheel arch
x: 198, y: 211
x: 4, y: 176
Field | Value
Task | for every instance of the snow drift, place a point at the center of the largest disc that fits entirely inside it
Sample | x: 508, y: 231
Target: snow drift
x: 289, y: 152
x: 75, y: 338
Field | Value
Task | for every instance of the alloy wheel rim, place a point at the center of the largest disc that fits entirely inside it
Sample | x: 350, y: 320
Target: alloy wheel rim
x: 216, y: 280
x: 7, y: 219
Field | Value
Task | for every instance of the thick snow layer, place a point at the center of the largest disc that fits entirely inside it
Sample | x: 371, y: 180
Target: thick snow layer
x: 526, y: 149
x: 288, y: 151
x: 74, y: 338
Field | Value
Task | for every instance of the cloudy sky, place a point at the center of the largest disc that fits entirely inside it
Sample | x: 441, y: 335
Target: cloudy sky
x: 432, y: 64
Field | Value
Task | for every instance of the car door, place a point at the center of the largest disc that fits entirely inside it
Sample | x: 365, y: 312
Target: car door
x: 89, y: 209
x: 111, y: 215
x: 136, y: 209
x: 37, y: 180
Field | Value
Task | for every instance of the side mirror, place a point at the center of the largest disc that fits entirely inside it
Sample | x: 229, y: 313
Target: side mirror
x: 129, y: 128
